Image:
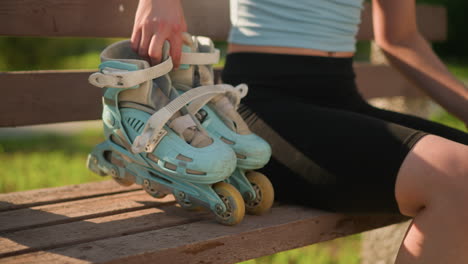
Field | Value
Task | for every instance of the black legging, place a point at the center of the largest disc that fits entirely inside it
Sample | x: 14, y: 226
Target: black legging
x: 331, y: 149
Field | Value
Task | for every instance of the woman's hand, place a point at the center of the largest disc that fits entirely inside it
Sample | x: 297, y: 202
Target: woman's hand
x: 155, y: 22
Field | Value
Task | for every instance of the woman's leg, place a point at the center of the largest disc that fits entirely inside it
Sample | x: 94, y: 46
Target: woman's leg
x: 432, y: 187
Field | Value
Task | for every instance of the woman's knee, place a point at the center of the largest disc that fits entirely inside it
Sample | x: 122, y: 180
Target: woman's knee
x: 435, y: 171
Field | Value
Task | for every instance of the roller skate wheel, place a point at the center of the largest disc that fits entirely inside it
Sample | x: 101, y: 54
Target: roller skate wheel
x: 92, y: 164
x: 232, y: 199
x: 187, y: 205
x: 264, y: 192
x: 113, y: 173
x: 146, y: 183
x: 151, y: 190
x: 123, y: 182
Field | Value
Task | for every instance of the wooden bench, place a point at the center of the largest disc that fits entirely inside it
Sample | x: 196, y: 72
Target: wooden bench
x: 104, y: 222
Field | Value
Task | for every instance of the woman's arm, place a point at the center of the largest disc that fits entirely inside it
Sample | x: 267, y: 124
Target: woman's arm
x: 155, y: 22
x: 397, y: 34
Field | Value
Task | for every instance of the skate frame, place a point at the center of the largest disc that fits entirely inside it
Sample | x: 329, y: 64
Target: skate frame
x: 104, y: 222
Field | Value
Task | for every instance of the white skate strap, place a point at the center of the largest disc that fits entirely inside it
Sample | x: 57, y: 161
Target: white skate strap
x: 200, y: 58
x: 235, y: 94
x: 153, y: 130
x: 118, y: 78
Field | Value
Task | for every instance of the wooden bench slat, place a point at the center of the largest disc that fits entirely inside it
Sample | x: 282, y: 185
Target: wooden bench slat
x: 207, y: 242
x: 16, y: 200
x: 114, y: 18
x: 57, y: 96
x: 42, y: 97
x: 78, y: 210
x: 431, y: 21
x: 30, y: 240
x: 383, y: 81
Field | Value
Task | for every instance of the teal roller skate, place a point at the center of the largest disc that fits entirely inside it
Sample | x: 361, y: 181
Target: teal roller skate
x: 220, y: 117
x: 152, y: 139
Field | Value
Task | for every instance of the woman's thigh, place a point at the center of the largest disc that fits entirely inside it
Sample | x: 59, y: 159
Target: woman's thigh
x: 328, y: 158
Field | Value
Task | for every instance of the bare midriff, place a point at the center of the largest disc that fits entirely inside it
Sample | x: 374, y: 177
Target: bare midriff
x: 232, y: 47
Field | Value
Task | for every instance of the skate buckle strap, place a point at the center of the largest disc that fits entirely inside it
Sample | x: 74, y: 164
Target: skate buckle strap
x: 118, y: 78
x: 153, y: 130
x: 235, y: 94
x: 200, y: 58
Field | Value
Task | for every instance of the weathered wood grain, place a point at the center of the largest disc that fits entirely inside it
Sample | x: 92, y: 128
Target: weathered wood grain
x: 114, y: 18
x: 15, y: 200
x: 65, y: 212
x: 32, y: 239
x: 42, y: 97
x: 205, y: 241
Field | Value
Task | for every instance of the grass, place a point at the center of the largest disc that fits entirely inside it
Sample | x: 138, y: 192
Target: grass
x: 345, y: 250
x: 46, y: 160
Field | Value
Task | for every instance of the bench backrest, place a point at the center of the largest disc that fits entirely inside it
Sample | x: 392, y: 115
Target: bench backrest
x: 39, y: 97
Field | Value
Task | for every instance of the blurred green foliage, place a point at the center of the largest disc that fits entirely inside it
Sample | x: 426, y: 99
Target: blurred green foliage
x: 31, y: 53
x: 46, y: 160
x: 345, y: 250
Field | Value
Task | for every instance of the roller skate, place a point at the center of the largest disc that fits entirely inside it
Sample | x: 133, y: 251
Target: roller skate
x: 152, y: 139
x: 220, y: 117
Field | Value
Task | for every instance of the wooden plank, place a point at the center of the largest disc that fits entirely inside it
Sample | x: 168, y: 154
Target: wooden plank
x: 114, y: 18
x: 383, y: 81
x: 431, y: 21
x: 16, y: 200
x: 31, y: 240
x: 66, y: 212
x: 42, y: 97
x: 110, y: 18
x: 284, y: 228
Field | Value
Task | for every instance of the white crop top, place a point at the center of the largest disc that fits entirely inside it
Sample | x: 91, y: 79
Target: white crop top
x: 329, y: 25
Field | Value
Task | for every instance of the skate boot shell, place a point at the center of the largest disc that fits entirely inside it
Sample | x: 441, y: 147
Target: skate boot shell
x: 220, y: 117
x: 153, y: 140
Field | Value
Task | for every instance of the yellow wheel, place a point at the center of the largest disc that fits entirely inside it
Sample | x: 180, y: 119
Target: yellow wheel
x: 232, y: 199
x: 264, y: 192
